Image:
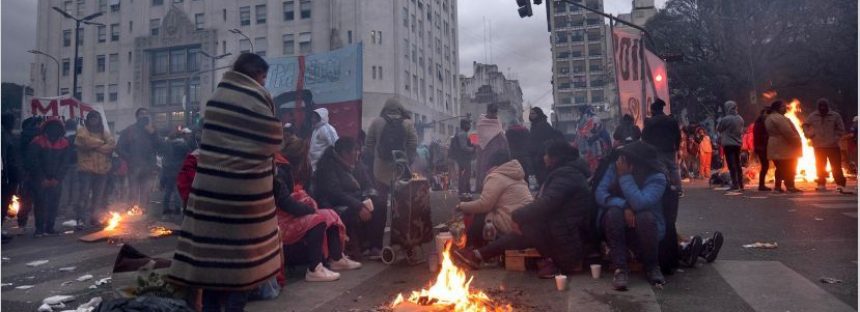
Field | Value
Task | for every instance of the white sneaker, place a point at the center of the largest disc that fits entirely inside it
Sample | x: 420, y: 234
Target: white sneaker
x: 345, y: 264
x: 321, y: 274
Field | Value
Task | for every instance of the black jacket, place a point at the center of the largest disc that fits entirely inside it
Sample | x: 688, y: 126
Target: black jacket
x: 542, y: 132
x: 563, y: 208
x: 663, y: 132
x: 47, y: 160
x: 12, y: 171
x: 283, y: 188
x: 518, y: 139
x: 760, y: 136
x: 625, y: 130
x: 138, y: 147
x: 335, y: 185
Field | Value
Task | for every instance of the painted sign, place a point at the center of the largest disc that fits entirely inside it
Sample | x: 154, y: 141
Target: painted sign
x: 64, y: 108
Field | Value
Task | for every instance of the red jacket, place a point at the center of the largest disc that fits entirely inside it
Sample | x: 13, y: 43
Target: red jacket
x: 186, y: 175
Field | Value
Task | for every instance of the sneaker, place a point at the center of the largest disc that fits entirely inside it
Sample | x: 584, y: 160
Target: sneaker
x: 842, y: 190
x: 821, y: 188
x: 654, y: 276
x: 467, y: 257
x: 712, y: 247
x: 547, y: 269
x: 763, y: 188
x: 690, y: 254
x: 344, y: 264
x: 619, y: 280
x: 321, y: 274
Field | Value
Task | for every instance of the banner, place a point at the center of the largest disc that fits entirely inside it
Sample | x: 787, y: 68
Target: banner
x: 630, y: 76
x: 333, y: 80
x: 63, y: 107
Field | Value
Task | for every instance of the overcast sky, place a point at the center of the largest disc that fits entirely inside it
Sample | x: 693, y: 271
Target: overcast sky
x: 520, y: 46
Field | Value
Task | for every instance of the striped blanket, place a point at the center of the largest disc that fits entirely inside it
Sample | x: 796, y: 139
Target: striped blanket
x: 229, y: 238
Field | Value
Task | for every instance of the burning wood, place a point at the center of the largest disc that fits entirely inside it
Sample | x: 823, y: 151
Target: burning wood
x: 115, y: 218
x: 450, y: 292
x: 159, y: 231
x: 14, y: 206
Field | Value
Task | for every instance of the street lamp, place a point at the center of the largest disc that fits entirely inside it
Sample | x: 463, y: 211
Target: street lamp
x: 212, y: 69
x: 240, y: 33
x: 78, y: 21
x: 37, y: 52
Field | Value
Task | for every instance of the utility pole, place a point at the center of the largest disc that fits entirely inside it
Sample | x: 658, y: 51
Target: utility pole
x: 78, y: 21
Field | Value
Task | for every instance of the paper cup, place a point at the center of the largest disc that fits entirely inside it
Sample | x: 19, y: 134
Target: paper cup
x: 369, y: 204
x: 595, y: 271
x: 561, y: 282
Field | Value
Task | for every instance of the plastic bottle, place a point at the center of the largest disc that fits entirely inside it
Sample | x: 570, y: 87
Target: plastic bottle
x: 489, y: 230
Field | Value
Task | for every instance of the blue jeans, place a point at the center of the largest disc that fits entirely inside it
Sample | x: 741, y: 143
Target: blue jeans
x: 233, y: 301
x: 643, y: 238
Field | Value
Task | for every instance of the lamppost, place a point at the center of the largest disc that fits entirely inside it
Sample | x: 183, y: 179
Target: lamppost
x: 187, y: 102
x: 37, y: 52
x: 240, y: 33
x: 213, y: 59
x: 78, y: 21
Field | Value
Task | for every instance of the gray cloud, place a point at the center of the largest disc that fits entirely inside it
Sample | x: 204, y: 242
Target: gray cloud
x: 18, y: 35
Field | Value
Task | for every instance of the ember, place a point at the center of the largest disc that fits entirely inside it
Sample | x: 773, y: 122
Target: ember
x: 159, y: 231
x: 113, y: 222
x: 135, y: 211
x: 451, y: 291
x: 14, y: 206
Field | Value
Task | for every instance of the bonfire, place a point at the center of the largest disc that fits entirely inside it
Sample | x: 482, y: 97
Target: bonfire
x: 451, y: 291
x: 806, y: 164
x: 14, y: 206
x: 113, y: 222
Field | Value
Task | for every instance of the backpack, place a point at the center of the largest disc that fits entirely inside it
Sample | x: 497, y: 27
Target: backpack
x: 393, y: 138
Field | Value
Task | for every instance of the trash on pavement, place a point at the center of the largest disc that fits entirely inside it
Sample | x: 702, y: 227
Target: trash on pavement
x: 36, y: 263
x: 733, y: 193
x: 760, y: 245
x: 103, y: 281
x: 89, y: 306
x: 830, y: 280
x: 24, y: 287
x: 55, y: 300
x: 44, y: 308
x: 819, y: 219
x: 85, y: 277
x: 70, y: 223
x: 6, y: 259
x: 68, y: 269
x: 757, y: 197
x: 66, y: 283
x: 5, y: 284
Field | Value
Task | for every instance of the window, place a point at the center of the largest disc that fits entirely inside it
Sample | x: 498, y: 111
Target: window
x: 159, y: 62
x: 129, y: 57
x: 67, y: 6
x: 406, y: 85
x: 67, y: 37
x: 245, y: 16
x: 199, y: 19
x: 380, y: 73
x: 177, y: 90
x: 113, y: 62
x: 82, y: 7
x: 405, y: 17
x: 194, y: 90
x: 596, y: 96
x: 289, y: 44
x: 372, y: 36
x: 114, y: 32
x: 177, y: 1
x: 224, y: 47
x: 224, y: 14
x: 101, y: 63
x: 78, y: 92
x: 66, y: 67
x: 413, y: 23
x: 289, y: 10
x: 157, y: 2
x: 159, y: 93
x: 305, y: 43
x: 349, y: 36
x: 193, y: 60
x: 406, y: 48
x: 177, y: 61
x: 100, y: 93
x: 244, y: 45
x: 374, y: 72
x: 130, y: 26
x: 154, y: 26
x: 103, y: 7
x: 414, y: 53
x: 379, y: 38
x: 64, y: 91
x: 260, y: 11
x: 261, y: 45
x: 79, y: 67
x: 415, y: 83
x: 80, y: 37
x: 305, y: 7
x: 112, y: 91
x: 595, y: 67
x: 114, y: 5
x: 101, y: 32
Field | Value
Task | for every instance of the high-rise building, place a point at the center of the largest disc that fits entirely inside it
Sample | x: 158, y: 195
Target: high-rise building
x: 147, y: 53
x: 580, y: 57
x: 489, y: 86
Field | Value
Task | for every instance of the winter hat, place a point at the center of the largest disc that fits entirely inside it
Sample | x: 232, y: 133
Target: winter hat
x: 640, y: 154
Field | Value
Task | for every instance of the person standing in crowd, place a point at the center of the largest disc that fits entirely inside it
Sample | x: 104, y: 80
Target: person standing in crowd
x: 760, y: 139
x: 69, y: 196
x: 491, y: 138
x: 95, y: 146
x: 825, y: 127
x: 138, y: 145
x: 229, y: 240
x: 47, y: 161
x: 627, y: 131
x: 662, y: 132
x: 177, y: 148
x: 731, y: 127
x: 784, y: 146
x: 631, y: 212
x: 541, y: 133
x: 462, y: 152
x: 31, y: 128
x: 12, y: 174
x: 706, y: 152
x: 323, y: 137
x: 518, y: 137
x: 392, y: 130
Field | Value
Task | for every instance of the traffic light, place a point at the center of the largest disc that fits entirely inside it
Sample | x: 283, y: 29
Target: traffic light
x: 525, y: 8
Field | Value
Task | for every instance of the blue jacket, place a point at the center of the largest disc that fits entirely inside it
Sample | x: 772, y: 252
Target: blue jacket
x: 649, y: 197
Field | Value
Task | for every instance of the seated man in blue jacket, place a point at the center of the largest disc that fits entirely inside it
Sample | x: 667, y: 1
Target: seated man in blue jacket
x: 631, y: 215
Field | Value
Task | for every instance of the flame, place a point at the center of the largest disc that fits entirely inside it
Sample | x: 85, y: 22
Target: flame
x: 113, y: 222
x: 806, y: 164
x: 451, y: 289
x: 135, y: 211
x: 159, y: 231
x: 14, y: 206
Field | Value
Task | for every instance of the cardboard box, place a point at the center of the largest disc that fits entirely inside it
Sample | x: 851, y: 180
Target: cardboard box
x: 518, y: 260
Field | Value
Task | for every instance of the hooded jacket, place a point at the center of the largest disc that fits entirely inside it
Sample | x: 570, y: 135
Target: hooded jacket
x: 45, y: 159
x: 324, y: 136
x: 505, y: 191
x: 662, y: 132
x: 384, y: 171
x: 94, y: 151
x: 824, y: 130
x: 542, y: 132
x: 731, y: 126
x: 334, y: 183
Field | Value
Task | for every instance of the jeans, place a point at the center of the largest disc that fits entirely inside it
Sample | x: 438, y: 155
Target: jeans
x: 233, y: 301
x: 169, y: 186
x: 786, y: 169
x: 28, y: 199
x: 89, y: 197
x: 45, y: 209
x: 822, y: 155
x: 140, y: 185
x: 505, y: 242
x: 375, y: 229
x: 643, y: 238
x: 765, y: 166
x: 670, y: 160
x: 733, y: 160
x: 464, y: 176
x: 311, y: 246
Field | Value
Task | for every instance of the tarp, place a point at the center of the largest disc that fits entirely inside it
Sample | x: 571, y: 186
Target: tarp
x: 330, y: 79
x: 62, y: 107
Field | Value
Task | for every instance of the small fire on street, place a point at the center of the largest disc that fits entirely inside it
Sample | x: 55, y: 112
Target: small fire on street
x: 806, y: 164
x: 450, y: 292
x: 113, y: 222
x: 14, y: 206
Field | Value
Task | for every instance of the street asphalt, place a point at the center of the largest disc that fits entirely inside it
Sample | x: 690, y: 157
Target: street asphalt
x: 816, y: 235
